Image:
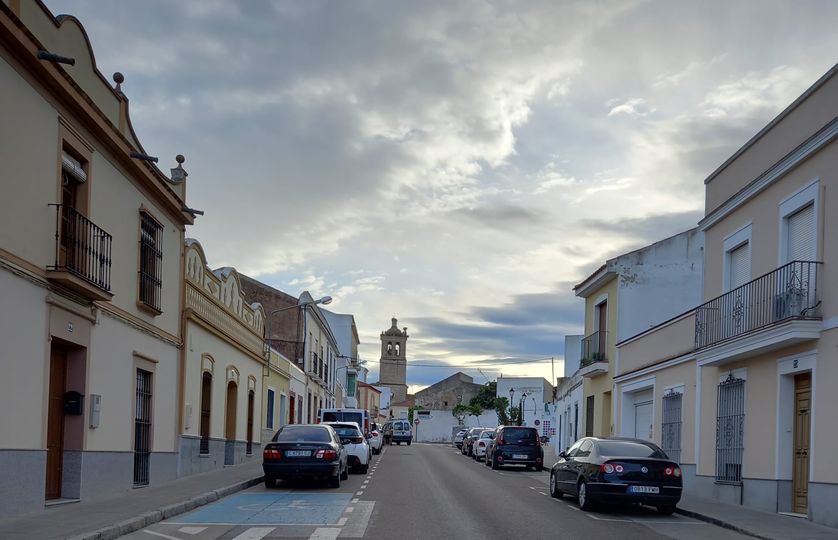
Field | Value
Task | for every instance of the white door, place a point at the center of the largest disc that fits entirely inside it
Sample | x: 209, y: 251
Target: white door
x: 283, y: 419
x: 643, y: 420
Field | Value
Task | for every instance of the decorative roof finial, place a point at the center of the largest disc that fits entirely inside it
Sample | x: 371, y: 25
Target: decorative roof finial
x: 179, y: 174
x: 118, y: 78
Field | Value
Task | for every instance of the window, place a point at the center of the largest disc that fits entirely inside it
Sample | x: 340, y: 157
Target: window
x: 800, y: 235
x: 270, y: 411
x: 142, y: 428
x: 730, y: 429
x: 297, y: 433
x: 151, y: 261
x: 585, y: 449
x: 628, y: 449
x: 671, y: 426
x: 398, y: 349
x: 737, y: 258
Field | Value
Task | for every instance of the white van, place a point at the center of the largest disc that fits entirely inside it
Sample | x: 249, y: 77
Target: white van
x: 359, y: 416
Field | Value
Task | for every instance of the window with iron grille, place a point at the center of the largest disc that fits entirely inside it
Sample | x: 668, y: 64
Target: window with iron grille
x: 671, y: 427
x: 730, y: 429
x: 151, y: 261
x: 142, y: 428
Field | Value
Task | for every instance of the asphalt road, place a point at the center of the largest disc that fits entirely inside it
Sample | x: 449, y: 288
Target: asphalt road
x: 422, y: 491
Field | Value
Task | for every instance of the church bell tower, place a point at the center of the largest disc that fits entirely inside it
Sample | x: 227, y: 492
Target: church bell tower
x: 394, y: 361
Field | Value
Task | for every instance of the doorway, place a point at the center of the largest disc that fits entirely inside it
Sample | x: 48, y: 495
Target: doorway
x: 643, y: 420
x: 230, y: 424
x: 206, y: 407
x: 800, y: 469
x: 250, y: 403
x: 55, y: 421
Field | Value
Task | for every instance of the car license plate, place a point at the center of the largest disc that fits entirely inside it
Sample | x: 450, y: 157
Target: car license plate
x: 297, y: 453
x: 519, y: 456
x: 644, y: 489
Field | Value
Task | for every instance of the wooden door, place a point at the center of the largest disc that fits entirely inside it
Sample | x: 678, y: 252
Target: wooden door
x: 230, y: 419
x: 291, y: 403
x: 250, y: 404
x: 800, y: 472
x: 55, y: 422
x: 602, y: 326
x: 206, y: 408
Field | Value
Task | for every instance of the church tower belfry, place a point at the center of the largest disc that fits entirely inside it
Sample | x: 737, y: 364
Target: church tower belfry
x: 394, y: 361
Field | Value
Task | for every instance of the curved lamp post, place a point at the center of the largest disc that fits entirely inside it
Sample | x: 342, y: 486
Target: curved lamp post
x: 325, y: 300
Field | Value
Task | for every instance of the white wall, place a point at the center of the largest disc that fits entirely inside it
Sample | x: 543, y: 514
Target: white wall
x: 665, y: 279
x: 439, y: 425
x: 572, y: 355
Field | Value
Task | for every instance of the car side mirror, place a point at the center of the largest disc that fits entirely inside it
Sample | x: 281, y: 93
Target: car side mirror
x: 562, y: 455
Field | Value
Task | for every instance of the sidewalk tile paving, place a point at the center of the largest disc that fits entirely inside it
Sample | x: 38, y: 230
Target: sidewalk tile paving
x: 110, y: 518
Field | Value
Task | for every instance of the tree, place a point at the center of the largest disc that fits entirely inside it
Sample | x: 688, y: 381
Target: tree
x: 500, y: 406
x: 460, y: 411
x: 410, y: 413
x: 485, y: 397
x: 474, y: 409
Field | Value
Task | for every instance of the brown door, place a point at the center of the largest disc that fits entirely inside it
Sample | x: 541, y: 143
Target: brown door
x: 206, y: 404
x: 230, y: 419
x: 602, y: 310
x: 55, y: 422
x: 291, y: 403
x: 250, y: 401
x: 589, y: 416
x: 800, y: 473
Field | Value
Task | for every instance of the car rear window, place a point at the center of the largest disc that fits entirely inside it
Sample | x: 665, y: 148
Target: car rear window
x: 487, y: 434
x: 519, y: 435
x: 347, y: 431
x: 303, y: 434
x: 629, y: 449
x: 341, y: 416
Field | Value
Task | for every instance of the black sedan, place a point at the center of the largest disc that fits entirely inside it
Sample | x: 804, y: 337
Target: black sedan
x: 617, y: 470
x: 303, y: 450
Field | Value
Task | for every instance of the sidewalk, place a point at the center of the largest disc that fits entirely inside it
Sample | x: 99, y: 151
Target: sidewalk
x: 138, y: 508
x: 756, y: 523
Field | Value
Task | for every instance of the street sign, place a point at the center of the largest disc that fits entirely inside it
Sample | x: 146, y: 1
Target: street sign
x: 416, y: 421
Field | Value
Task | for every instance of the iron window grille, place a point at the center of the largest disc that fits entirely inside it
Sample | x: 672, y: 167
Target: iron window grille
x: 151, y: 261
x: 671, y: 427
x: 142, y: 428
x: 730, y: 429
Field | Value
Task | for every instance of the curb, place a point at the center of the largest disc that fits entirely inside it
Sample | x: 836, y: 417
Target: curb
x: 719, y: 523
x: 165, y: 512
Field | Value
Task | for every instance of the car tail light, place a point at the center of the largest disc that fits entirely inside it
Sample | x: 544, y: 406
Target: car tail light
x: 327, y: 455
x: 500, y: 441
x: 357, y: 440
x: 271, y: 454
x: 538, y: 460
x: 607, y: 468
x: 375, y: 434
x: 481, y: 444
x: 500, y: 459
x: 618, y: 468
x: 672, y: 471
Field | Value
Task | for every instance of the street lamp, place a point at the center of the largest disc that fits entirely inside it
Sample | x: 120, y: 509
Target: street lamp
x: 521, y: 409
x: 511, y: 401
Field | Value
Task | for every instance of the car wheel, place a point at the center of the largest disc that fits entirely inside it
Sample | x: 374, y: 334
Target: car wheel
x: 666, y: 509
x: 345, y: 474
x: 334, y: 481
x: 270, y: 482
x: 539, y: 468
x: 365, y: 468
x: 408, y: 443
x: 494, y: 463
x: 554, y: 487
x: 585, y: 502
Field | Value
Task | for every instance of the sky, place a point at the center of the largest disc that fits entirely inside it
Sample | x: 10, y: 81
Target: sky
x: 457, y: 165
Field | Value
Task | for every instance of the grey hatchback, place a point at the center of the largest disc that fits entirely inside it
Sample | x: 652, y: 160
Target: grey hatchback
x: 516, y: 445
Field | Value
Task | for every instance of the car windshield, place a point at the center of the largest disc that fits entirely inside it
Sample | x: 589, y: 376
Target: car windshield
x: 629, y: 449
x: 347, y: 431
x: 487, y: 435
x: 519, y: 435
x: 303, y: 434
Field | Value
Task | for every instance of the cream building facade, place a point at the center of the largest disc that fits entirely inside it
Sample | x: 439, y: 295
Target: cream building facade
x: 320, y: 352
x: 277, y: 395
x: 746, y: 380
x: 90, y: 264
x: 224, y: 367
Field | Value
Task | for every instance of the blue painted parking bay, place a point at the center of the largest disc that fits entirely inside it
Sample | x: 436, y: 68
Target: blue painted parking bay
x: 272, y: 508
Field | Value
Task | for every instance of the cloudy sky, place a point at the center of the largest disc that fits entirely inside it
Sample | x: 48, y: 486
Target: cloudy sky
x: 458, y: 165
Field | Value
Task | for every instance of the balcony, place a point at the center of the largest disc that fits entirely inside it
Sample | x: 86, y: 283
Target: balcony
x: 594, y: 361
x: 777, y: 309
x: 82, y: 255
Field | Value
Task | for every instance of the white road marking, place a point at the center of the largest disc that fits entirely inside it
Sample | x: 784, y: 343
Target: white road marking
x: 608, y: 519
x: 685, y: 522
x: 324, y: 533
x: 359, y: 493
x: 349, y: 509
x: 342, y: 522
x: 255, y: 533
x: 161, y: 535
x: 355, y: 500
x: 192, y: 530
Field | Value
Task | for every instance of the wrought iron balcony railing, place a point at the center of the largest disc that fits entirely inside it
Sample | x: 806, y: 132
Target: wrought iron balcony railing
x: 82, y: 248
x: 789, y: 292
x: 593, y: 348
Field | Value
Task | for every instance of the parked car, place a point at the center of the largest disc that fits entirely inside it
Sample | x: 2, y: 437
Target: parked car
x: 387, y: 433
x: 357, y: 446
x: 402, y: 432
x: 604, y: 469
x: 305, y: 450
x: 376, y: 438
x: 516, y: 445
x: 458, y: 438
x: 469, y: 439
x: 479, y: 447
